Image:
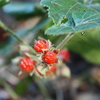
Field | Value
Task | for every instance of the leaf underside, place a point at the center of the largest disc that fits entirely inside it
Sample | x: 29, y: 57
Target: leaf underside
x: 79, y: 17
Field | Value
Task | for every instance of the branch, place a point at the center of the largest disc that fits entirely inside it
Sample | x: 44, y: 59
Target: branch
x: 13, y: 34
x: 67, y: 38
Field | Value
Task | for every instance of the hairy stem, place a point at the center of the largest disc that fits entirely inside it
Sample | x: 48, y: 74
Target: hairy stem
x: 13, y: 34
x: 67, y: 38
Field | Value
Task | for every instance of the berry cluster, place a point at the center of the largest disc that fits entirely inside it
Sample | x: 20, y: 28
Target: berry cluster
x: 48, y: 56
x: 44, y: 62
x: 47, y: 59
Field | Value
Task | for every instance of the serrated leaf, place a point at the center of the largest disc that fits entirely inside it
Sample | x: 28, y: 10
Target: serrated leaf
x: 60, y: 9
x: 79, y: 17
x: 3, y: 2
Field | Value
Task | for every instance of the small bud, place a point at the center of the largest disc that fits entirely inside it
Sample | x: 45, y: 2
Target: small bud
x: 16, y: 60
x: 23, y: 49
x: 65, y: 71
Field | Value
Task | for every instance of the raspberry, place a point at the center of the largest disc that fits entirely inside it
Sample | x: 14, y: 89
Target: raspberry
x: 49, y: 57
x: 27, y: 64
x: 52, y: 69
x: 65, y: 55
x: 40, y: 45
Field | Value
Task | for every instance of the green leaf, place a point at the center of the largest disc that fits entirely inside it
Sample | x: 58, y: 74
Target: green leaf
x: 87, y: 45
x: 95, y: 6
x: 95, y: 1
x: 3, y: 2
x: 60, y: 9
x: 79, y: 17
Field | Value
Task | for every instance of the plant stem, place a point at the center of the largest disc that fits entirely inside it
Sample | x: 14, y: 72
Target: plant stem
x: 10, y: 90
x: 67, y: 38
x: 13, y: 34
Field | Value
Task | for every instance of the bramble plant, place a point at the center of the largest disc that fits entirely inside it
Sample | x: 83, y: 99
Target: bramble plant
x: 46, y: 47
x: 69, y: 17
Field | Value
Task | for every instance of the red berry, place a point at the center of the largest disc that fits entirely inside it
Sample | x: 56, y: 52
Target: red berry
x: 27, y: 64
x: 52, y: 69
x: 40, y: 45
x: 65, y: 55
x: 50, y: 57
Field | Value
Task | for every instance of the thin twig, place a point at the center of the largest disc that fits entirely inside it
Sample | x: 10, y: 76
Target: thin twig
x: 13, y: 34
x: 67, y: 38
x: 10, y: 90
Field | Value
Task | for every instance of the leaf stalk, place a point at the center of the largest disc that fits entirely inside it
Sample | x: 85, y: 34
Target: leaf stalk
x: 66, y: 39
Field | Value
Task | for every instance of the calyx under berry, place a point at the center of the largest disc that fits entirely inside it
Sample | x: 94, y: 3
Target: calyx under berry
x: 52, y: 69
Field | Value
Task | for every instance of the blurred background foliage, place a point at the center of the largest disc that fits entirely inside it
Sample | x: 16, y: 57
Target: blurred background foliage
x: 29, y: 21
